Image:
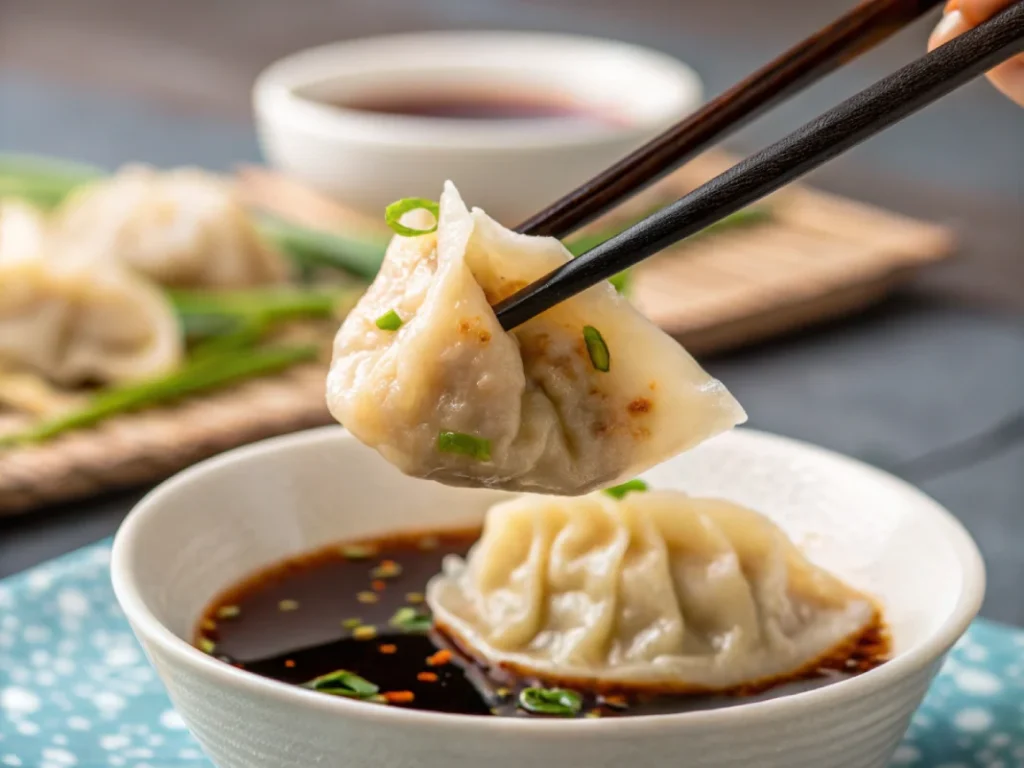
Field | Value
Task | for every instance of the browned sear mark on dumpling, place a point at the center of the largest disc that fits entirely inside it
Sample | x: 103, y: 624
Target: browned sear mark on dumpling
x: 466, y: 327
x: 639, y: 406
x: 503, y: 291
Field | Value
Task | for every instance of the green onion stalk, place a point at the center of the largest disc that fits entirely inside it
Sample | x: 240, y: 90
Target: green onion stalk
x: 621, y: 281
x: 41, y: 181
x: 198, y: 375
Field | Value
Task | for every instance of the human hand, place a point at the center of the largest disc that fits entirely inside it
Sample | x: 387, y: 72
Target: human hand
x: 961, y: 15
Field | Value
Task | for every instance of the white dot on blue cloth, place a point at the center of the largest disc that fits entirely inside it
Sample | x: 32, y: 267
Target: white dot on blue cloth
x: 977, y: 682
x: 906, y: 755
x: 973, y: 720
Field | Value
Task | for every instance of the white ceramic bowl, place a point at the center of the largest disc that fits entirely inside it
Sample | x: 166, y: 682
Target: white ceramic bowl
x: 509, y: 168
x: 225, y: 518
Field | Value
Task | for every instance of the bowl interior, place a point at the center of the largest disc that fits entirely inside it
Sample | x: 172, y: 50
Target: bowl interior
x: 639, y: 86
x: 210, y: 526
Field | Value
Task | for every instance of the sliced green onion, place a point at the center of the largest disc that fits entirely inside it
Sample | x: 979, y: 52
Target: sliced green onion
x: 229, y: 612
x: 619, y: 491
x: 410, y: 620
x: 551, y: 701
x: 467, y: 445
x: 621, y: 281
x: 206, y: 645
x: 393, y: 215
x: 389, y: 321
x: 341, y: 682
x: 600, y: 357
x: 358, y: 551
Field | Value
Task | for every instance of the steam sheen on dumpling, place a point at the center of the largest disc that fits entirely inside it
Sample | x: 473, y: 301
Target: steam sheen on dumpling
x: 656, y: 591
x: 181, y: 228
x: 77, y: 325
x: 452, y: 397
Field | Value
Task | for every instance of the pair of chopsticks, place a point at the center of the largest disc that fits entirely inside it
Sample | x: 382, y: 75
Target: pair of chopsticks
x: 869, y: 112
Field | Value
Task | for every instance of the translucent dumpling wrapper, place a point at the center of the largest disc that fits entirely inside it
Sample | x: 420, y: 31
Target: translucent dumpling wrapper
x: 584, y: 395
x: 658, y: 591
x: 78, y: 325
x: 182, y: 228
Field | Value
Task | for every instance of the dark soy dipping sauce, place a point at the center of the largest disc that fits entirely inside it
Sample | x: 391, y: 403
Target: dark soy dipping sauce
x: 480, y: 105
x: 295, y: 621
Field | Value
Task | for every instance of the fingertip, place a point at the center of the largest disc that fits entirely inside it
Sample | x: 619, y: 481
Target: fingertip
x: 1009, y: 79
x: 951, y: 25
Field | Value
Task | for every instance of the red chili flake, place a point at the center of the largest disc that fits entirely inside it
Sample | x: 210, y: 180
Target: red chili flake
x: 439, y: 659
x: 378, y: 585
x: 387, y: 569
x: 399, y: 697
x: 387, y: 648
x: 427, y: 677
x: 290, y: 663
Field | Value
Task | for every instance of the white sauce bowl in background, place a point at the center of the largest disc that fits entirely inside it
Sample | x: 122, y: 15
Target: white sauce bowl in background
x: 510, y: 168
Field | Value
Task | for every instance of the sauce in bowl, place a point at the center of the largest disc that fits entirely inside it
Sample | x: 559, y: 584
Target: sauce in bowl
x: 360, y: 608
x: 480, y: 106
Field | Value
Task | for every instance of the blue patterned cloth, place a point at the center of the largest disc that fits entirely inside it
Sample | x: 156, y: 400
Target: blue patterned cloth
x: 77, y: 692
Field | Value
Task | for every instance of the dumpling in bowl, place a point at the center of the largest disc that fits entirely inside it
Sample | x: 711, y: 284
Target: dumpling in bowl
x: 180, y: 228
x: 75, y: 326
x: 657, y: 591
x: 579, y: 397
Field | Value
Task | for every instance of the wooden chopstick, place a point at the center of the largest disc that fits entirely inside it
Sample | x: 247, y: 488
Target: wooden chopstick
x: 869, y: 112
x: 841, y: 41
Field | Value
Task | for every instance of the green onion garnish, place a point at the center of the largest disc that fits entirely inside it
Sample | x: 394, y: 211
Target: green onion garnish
x: 410, y: 620
x: 228, y: 612
x: 619, y: 491
x: 620, y: 280
x: 597, y: 349
x: 206, y: 645
x: 358, y: 551
x: 550, y: 701
x: 467, y: 445
x: 394, y: 213
x: 389, y: 321
x: 341, y: 682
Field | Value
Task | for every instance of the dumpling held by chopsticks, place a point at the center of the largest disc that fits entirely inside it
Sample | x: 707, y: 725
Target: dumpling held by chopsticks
x: 582, y: 396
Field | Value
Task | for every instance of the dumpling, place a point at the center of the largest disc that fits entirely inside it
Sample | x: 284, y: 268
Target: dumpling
x: 76, y: 325
x: 181, y: 228
x: 22, y: 231
x: 657, y: 591
x: 583, y: 395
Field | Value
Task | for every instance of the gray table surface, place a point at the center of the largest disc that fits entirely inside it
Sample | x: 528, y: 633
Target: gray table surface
x: 907, y: 380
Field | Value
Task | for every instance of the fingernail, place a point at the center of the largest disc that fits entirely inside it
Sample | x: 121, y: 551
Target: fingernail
x: 951, y: 25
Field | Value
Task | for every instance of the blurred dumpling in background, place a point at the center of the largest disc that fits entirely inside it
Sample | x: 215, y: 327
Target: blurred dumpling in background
x: 76, y: 325
x: 656, y: 591
x: 22, y: 231
x: 583, y: 395
x: 181, y: 228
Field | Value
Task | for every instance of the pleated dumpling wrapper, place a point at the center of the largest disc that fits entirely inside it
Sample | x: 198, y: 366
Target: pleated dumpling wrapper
x: 75, y: 325
x: 658, y: 591
x: 577, y: 398
x: 181, y: 228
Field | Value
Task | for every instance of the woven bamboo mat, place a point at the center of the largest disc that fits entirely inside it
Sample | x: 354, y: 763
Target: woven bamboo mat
x: 817, y: 257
